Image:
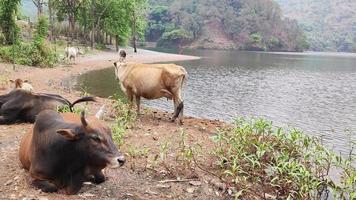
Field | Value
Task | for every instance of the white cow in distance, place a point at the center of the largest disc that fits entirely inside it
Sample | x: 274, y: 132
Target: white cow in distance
x: 72, y: 53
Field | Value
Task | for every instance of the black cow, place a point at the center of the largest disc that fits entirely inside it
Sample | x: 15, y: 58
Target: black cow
x: 64, y: 150
x: 24, y: 106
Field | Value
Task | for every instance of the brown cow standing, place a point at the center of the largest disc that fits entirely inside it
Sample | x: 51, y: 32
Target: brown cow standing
x: 64, y: 150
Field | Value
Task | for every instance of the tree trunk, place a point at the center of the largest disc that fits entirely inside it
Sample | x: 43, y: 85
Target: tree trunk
x: 134, y: 44
x: 93, y: 27
x: 51, y: 20
x: 39, y: 5
x: 117, y: 43
x: 110, y: 39
x: 134, y: 31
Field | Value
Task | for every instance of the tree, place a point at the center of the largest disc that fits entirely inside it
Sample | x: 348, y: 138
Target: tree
x: 8, y: 10
x: 39, y: 4
x: 117, y: 22
x: 68, y: 9
x: 136, y: 8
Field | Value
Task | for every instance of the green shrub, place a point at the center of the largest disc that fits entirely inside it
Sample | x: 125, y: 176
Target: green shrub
x: 287, y: 165
x: 38, y: 53
x: 174, y: 38
x: 100, y: 46
x: 124, y: 119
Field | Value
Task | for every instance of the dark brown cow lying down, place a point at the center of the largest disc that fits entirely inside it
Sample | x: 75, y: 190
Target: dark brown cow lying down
x: 24, y: 106
x: 65, y: 150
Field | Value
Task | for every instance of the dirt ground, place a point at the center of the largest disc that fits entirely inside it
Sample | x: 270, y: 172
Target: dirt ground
x: 140, y: 177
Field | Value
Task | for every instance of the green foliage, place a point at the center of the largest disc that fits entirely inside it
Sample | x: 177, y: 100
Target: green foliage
x: 124, y: 119
x: 174, y: 37
x: 228, y: 24
x: 289, y: 164
x: 328, y: 25
x: 8, y: 27
x: 41, y: 31
x: 38, y: 53
x: 66, y: 109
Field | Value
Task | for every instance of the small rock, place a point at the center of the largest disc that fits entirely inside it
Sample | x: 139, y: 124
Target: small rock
x: 163, y: 186
x: 12, y: 196
x: 42, y: 198
x: 269, y: 196
x: 217, y: 193
x: 190, y: 190
x: 151, y: 192
x: 229, y: 191
x: 195, y: 183
x: 88, y: 195
x: 8, y: 182
x: 218, y: 184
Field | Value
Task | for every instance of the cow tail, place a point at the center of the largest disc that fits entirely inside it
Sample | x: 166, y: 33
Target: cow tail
x: 84, y: 99
x: 184, y: 81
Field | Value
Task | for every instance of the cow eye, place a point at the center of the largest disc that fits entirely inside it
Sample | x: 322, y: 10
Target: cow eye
x: 96, y: 138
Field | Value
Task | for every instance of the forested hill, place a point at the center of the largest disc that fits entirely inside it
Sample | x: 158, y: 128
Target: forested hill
x: 330, y: 25
x: 224, y: 24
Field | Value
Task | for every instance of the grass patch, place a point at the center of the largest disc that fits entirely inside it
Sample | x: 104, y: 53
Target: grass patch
x: 256, y: 158
x: 124, y: 119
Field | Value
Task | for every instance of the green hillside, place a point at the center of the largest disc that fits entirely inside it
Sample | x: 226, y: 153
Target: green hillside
x: 227, y: 24
x: 330, y: 25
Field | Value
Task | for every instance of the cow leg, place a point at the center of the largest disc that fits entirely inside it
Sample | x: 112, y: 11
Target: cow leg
x: 2, y: 120
x: 8, y: 119
x: 97, y: 178
x: 130, y: 97
x: 175, y: 102
x: 75, y: 184
x: 138, y: 98
x: 44, y: 186
x: 178, y: 109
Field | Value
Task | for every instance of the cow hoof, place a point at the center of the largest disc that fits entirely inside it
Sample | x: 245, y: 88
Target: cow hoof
x: 97, y: 179
x: 45, y: 186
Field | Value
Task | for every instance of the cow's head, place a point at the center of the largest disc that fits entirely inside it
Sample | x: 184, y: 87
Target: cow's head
x: 119, y: 67
x: 80, y: 51
x: 18, y: 83
x: 94, y: 139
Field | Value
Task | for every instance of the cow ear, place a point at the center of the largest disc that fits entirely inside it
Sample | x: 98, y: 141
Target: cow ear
x: 69, y: 134
x: 11, y: 81
x: 25, y: 81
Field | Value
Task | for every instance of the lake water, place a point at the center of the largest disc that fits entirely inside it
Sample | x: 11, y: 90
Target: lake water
x: 313, y: 92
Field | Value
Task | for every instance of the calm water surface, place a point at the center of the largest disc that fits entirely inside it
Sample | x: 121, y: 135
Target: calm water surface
x: 313, y: 92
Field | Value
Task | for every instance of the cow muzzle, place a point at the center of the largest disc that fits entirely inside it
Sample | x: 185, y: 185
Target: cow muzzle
x: 116, y: 162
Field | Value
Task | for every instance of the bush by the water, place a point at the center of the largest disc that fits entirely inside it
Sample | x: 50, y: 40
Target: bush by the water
x: 260, y: 159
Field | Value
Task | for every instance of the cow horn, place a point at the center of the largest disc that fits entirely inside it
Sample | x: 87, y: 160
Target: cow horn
x: 82, y: 118
x: 100, y: 113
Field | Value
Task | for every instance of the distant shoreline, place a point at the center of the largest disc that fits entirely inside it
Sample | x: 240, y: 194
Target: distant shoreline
x: 315, y: 53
